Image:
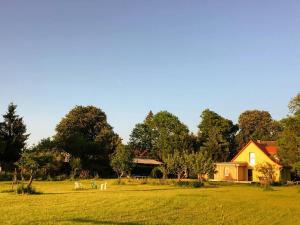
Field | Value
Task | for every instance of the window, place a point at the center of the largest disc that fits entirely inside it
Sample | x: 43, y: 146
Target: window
x: 226, y: 172
x: 252, y: 158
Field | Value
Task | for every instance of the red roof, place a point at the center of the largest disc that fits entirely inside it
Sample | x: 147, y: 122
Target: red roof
x: 269, y: 147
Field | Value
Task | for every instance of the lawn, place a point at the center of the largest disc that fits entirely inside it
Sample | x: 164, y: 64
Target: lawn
x: 150, y: 204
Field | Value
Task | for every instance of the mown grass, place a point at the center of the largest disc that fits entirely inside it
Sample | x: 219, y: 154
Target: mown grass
x: 135, y: 204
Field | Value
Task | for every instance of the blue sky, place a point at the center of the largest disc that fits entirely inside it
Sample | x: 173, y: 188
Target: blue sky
x: 129, y: 57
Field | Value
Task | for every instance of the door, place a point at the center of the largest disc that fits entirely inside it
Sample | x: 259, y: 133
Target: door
x: 250, y: 175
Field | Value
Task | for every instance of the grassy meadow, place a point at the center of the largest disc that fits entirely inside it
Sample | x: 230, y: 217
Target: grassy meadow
x: 134, y: 204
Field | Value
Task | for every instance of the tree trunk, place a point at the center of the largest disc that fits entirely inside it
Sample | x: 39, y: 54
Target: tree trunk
x: 178, y: 176
x: 199, y: 177
x: 30, y: 180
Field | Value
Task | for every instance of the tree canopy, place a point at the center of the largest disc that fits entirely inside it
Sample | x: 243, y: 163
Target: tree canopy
x: 85, y: 133
x: 256, y: 125
x: 217, y: 135
x: 289, y: 139
x: 13, y: 136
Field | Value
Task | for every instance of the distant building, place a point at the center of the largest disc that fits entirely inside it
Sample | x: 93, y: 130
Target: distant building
x: 242, y: 166
x: 144, y: 167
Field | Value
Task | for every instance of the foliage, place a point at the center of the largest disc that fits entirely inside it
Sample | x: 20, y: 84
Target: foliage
x: 142, y: 140
x: 12, y: 136
x: 171, y: 134
x: 217, y: 135
x: 201, y: 165
x: 159, y: 135
x: 289, y: 139
x: 24, y: 189
x: 216, y: 147
x: 85, y: 133
x: 194, y: 184
x: 43, y: 163
x: 75, y: 164
x: 267, y: 171
x: 294, y: 104
x: 46, y: 143
x: 256, y: 125
x: 178, y: 164
x: 122, y: 161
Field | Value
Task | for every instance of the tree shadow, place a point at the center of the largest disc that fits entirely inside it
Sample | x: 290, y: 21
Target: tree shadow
x: 93, y: 221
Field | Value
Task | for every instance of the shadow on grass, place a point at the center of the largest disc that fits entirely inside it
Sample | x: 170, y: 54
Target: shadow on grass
x: 93, y: 221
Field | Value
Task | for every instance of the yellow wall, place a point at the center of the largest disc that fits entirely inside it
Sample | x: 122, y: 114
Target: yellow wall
x: 260, y: 157
x: 235, y: 173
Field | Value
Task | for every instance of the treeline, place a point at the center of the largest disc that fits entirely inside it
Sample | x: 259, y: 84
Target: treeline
x: 85, y: 144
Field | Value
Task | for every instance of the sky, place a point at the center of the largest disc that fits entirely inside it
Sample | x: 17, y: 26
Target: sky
x: 131, y: 56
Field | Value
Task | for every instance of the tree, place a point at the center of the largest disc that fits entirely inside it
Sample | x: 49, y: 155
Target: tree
x: 177, y: 163
x: 217, y: 135
x: 289, y: 138
x: 202, y: 165
x: 267, y: 171
x: 85, y: 133
x: 12, y: 135
x: 159, y: 135
x: 216, y: 146
x: 45, y: 143
x: 40, y: 163
x: 149, y: 117
x: 170, y: 135
x: 142, y: 139
x: 294, y: 104
x: 257, y: 125
x: 122, y: 161
x: 75, y: 164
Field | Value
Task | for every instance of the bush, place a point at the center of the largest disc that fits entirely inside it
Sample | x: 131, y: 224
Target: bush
x: 197, y: 184
x: 193, y: 184
x: 24, y: 189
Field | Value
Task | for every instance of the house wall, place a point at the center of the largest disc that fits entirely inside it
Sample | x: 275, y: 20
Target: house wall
x: 260, y: 157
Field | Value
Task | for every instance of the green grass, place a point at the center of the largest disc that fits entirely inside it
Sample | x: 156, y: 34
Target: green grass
x: 134, y: 204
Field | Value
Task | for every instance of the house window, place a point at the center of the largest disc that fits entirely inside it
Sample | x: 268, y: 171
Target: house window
x: 226, y: 172
x: 252, y: 158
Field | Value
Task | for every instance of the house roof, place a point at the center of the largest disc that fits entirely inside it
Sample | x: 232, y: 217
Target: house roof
x: 270, y: 148
x: 146, y: 161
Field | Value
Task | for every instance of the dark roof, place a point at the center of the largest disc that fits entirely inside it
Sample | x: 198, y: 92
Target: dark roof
x: 147, y: 161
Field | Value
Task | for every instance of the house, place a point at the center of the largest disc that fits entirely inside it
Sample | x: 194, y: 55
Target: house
x: 242, y: 167
x: 144, y: 167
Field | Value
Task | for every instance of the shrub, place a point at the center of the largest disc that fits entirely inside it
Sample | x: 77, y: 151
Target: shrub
x: 193, y: 184
x: 24, y: 189
x: 197, y: 184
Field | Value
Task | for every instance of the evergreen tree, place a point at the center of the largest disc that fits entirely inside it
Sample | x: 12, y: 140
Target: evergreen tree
x: 13, y: 136
x: 217, y: 136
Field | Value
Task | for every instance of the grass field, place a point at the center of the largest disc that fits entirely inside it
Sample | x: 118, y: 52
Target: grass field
x: 150, y: 204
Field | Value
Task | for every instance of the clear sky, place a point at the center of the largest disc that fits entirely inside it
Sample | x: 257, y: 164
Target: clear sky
x: 129, y: 57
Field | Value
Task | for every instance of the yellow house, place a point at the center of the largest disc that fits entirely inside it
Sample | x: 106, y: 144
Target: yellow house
x: 242, y: 166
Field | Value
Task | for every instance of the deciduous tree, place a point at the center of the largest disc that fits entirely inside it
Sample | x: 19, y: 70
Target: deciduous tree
x: 122, y: 161
x: 85, y: 133
x: 256, y: 125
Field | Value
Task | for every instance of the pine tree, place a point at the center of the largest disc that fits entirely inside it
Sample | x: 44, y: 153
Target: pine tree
x: 13, y: 136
